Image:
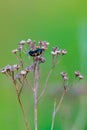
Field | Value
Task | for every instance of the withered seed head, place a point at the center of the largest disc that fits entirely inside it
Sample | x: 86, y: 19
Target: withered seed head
x: 15, y: 51
x: 77, y: 73
x: 29, y: 41
x: 23, y: 72
x: 22, y: 42
x: 3, y: 71
x: 64, y: 75
x: 63, y: 52
x: 43, y: 44
x: 55, y: 51
x: 80, y: 77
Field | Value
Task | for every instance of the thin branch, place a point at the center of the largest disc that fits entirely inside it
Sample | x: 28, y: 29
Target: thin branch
x: 28, y: 83
x: 61, y: 100
x: 53, y: 116
x: 47, y: 79
x: 45, y: 85
x: 19, y: 100
x: 56, y: 108
x: 22, y: 85
x: 19, y: 58
x: 35, y: 95
x: 24, y: 114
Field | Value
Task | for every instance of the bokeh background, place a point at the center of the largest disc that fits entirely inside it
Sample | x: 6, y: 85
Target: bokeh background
x: 63, y: 23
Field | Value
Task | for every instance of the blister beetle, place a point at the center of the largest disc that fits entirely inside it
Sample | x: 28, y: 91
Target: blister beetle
x: 36, y: 52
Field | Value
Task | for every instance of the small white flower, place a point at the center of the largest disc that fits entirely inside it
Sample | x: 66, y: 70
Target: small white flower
x: 23, y: 72
x: 53, y: 53
x: 14, y: 51
x: 29, y: 40
x: 80, y: 76
x: 22, y: 42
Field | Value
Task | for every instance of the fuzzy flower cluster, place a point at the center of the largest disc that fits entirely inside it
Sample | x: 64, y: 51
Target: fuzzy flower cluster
x: 64, y: 75
x: 31, y: 45
x: 41, y: 44
x: 78, y: 75
x: 17, y: 71
x: 57, y: 51
x: 10, y: 68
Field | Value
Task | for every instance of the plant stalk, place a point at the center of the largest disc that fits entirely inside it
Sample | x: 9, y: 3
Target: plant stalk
x: 56, y: 108
x: 35, y: 95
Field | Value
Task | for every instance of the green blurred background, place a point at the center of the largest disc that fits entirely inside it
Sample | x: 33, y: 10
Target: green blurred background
x: 63, y: 23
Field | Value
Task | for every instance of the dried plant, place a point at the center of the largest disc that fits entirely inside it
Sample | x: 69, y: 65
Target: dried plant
x: 18, y: 74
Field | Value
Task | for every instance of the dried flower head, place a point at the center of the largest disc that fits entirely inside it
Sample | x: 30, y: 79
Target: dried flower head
x: 8, y: 68
x: 15, y: 51
x: 32, y: 44
x: 23, y: 72
x: 78, y: 74
x: 16, y: 66
x: 55, y: 51
x: 64, y: 75
x: 65, y: 78
x: 40, y: 59
x: 29, y: 68
x: 58, y: 52
x: 3, y: 71
x: 43, y: 44
x: 63, y: 52
x: 29, y: 41
x: 22, y: 42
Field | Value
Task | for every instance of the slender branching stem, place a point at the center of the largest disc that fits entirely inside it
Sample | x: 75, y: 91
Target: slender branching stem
x: 21, y: 105
x: 35, y: 94
x: 45, y: 85
x: 47, y: 79
x: 24, y: 114
x: 22, y: 85
x: 28, y: 83
x: 21, y: 60
x: 61, y: 100
x: 53, y: 116
x: 56, y: 108
x: 19, y: 100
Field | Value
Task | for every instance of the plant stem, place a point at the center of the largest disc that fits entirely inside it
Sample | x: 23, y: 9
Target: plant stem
x: 61, y: 100
x: 45, y: 85
x: 28, y: 83
x: 49, y: 74
x: 56, y: 108
x: 35, y: 95
x: 24, y: 114
x: 21, y: 105
x: 53, y: 116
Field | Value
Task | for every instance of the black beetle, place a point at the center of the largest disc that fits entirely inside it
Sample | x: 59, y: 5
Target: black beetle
x: 36, y: 52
